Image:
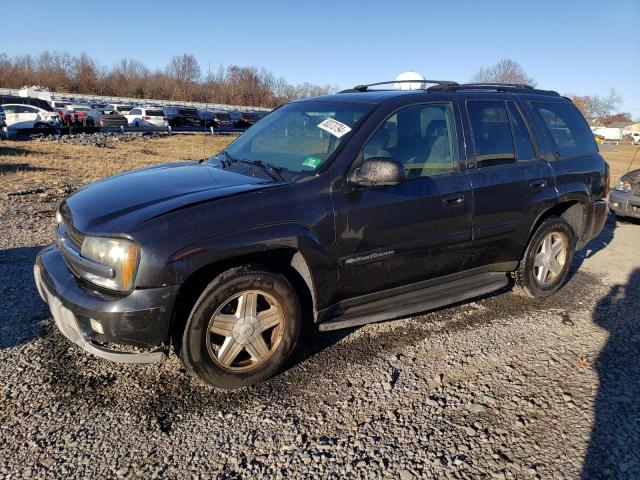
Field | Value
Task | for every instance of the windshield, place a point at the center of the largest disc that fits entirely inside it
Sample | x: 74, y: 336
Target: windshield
x: 300, y: 136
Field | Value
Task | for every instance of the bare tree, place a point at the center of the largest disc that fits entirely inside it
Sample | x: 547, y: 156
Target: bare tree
x: 184, y: 68
x: 505, y: 71
x: 181, y: 80
x: 602, y: 107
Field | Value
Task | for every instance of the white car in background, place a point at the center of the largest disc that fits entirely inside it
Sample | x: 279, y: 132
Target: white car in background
x: 147, y: 117
x: 29, y: 116
x: 121, y: 108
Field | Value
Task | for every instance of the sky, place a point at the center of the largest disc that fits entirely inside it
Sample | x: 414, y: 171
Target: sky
x: 581, y: 47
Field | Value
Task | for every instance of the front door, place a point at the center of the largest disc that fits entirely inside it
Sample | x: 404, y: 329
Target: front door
x: 399, y: 235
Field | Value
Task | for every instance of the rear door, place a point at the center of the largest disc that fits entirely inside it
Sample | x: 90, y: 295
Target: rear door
x: 421, y: 229
x: 512, y: 183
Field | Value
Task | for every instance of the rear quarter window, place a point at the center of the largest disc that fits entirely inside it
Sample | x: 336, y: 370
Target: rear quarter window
x: 569, y: 131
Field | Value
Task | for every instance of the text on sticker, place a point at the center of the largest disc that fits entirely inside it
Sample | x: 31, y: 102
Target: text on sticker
x: 334, y: 127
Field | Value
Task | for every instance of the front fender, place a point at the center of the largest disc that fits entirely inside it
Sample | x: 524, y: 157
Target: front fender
x: 315, y: 261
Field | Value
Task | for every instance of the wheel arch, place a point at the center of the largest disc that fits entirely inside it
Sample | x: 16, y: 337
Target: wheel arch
x: 287, y: 261
x: 573, y: 211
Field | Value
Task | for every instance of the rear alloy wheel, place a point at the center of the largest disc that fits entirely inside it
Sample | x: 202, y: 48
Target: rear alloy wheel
x: 242, y: 329
x: 547, y: 259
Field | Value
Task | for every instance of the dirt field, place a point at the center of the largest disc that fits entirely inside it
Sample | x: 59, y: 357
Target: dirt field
x: 501, y: 387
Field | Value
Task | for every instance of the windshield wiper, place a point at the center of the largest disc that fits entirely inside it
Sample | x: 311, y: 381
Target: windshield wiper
x: 272, y: 170
x: 229, y: 156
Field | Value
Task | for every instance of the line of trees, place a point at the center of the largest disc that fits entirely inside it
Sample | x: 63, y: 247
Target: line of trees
x: 596, y: 108
x: 181, y: 80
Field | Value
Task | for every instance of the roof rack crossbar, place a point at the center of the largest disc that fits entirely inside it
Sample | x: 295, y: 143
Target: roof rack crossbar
x: 364, y: 88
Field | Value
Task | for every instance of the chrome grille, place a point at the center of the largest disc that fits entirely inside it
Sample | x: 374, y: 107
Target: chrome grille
x: 74, y: 236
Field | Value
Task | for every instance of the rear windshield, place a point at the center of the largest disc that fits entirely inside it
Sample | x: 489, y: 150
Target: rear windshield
x: 155, y: 113
x: 188, y: 112
x: 124, y: 108
x: 568, y: 129
x: 250, y: 116
x: 223, y: 116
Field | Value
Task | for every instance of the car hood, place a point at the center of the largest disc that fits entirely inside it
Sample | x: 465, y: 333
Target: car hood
x: 117, y: 204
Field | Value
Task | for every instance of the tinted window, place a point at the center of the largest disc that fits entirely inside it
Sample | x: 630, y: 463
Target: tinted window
x: 223, y: 116
x: 521, y: 138
x: 421, y: 137
x: 295, y: 137
x: 568, y: 128
x: 135, y: 111
x: 25, y: 109
x: 9, y: 108
x: 491, y: 133
x: 155, y: 113
x: 123, y: 108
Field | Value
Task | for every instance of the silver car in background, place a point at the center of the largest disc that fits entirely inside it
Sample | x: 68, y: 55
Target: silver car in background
x: 624, y: 199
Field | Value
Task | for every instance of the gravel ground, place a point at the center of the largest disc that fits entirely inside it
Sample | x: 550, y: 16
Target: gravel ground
x: 98, y: 139
x: 503, y: 387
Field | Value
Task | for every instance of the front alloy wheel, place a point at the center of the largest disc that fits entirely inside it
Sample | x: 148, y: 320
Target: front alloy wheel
x: 242, y: 329
x: 245, y: 330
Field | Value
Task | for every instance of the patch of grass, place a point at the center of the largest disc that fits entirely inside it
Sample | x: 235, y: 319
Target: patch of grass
x: 35, y: 162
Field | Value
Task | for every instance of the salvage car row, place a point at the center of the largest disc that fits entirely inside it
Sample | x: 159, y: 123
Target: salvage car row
x: 40, y: 114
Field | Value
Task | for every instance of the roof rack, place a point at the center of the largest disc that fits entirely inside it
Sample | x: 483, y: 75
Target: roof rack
x: 364, y: 88
x: 498, y: 87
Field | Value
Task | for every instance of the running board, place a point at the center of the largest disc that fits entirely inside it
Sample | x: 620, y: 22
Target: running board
x: 417, y: 301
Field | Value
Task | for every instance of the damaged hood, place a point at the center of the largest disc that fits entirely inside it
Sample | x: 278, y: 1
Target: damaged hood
x: 116, y: 204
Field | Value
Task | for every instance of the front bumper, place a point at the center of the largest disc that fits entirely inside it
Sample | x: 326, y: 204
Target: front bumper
x: 624, y: 204
x: 140, y: 319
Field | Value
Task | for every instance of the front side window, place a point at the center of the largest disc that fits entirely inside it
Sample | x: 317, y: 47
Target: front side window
x: 491, y: 133
x: 567, y: 127
x: 420, y: 137
x: 300, y: 136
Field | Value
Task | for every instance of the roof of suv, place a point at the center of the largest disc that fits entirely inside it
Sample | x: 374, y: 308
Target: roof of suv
x: 362, y: 93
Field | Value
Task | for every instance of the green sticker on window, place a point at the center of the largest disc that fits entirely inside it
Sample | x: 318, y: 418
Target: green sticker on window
x: 312, y: 162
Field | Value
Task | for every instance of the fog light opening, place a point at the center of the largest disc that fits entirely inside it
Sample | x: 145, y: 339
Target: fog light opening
x: 96, y: 326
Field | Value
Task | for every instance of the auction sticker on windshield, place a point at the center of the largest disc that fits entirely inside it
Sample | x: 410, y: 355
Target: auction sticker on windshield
x: 334, y: 127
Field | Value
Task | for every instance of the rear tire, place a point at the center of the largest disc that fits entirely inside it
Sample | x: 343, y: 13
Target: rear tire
x: 547, y: 260
x: 242, y: 329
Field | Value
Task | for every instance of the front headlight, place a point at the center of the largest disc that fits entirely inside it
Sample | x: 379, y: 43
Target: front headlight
x: 623, y: 186
x: 119, y: 253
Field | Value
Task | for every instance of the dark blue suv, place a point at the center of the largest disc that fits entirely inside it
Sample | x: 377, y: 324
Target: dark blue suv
x: 331, y: 212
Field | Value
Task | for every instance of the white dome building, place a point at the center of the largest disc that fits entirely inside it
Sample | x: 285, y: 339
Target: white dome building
x: 409, y: 85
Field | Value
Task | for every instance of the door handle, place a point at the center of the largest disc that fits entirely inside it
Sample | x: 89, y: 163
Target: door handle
x: 538, y: 184
x: 453, y: 200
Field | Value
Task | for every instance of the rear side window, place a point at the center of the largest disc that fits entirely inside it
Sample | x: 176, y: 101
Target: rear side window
x: 567, y: 127
x: 491, y: 133
x: 521, y: 138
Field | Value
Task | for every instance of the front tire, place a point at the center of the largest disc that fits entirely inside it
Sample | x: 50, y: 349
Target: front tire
x: 242, y: 329
x: 547, y: 260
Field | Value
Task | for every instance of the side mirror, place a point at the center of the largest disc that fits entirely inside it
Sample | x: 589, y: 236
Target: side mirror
x: 377, y: 172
